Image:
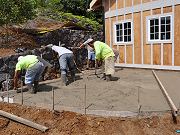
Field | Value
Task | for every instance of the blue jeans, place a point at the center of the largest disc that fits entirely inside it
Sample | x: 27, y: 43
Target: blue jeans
x: 91, y: 55
x: 34, y: 73
x: 66, y: 62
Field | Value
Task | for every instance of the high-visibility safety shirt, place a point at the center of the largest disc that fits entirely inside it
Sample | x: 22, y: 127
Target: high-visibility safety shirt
x: 102, y: 50
x: 26, y: 62
x: 61, y: 50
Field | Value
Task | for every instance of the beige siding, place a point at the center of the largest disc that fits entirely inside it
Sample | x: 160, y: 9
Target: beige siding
x: 167, y: 9
x: 137, y: 38
x: 167, y: 54
x: 146, y: 47
x: 156, y: 48
x: 106, y: 7
x: 129, y: 54
x: 120, y: 4
x: 107, y: 31
x: 112, y: 4
x: 146, y: 1
x: 121, y: 54
x: 136, y: 2
x: 128, y: 3
x: 156, y: 54
x: 177, y: 35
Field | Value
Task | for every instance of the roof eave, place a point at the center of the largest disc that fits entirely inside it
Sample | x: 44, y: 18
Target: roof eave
x: 95, y: 4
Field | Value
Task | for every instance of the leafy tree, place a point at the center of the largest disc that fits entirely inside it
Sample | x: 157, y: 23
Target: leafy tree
x: 76, y: 7
x: 16, y: 11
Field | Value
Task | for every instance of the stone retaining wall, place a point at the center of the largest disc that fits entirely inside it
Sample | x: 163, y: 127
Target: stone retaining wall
x: 70, y: 38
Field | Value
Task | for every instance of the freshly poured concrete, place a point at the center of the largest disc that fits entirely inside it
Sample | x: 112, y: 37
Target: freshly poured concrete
x: 120, y: 96
x: 171, y: 82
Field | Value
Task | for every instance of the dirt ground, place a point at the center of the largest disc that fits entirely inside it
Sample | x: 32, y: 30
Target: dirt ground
x: 69, y: 123
x: 16, y: 39
x: 6, y: 52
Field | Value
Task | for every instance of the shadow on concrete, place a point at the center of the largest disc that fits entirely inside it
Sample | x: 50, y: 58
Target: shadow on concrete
x: 118, y: 69
x: 78, y: 77
x: 113, y: 78
x: 46, y: 88
x: 22, y: 89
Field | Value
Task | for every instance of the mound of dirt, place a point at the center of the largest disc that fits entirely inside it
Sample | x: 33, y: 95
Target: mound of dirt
x: 13, y: 38
x: 66, y: 123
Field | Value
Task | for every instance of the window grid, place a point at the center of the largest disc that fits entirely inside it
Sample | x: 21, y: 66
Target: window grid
x: 123, y: 32
x: 160, y: 28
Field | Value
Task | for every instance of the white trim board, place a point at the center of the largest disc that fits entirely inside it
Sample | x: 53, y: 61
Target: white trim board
x: 141, y: 7
x: 93, y: 2
x: 147, y: 66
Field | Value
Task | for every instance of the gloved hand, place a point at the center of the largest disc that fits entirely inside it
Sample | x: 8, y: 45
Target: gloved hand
x: 50, y: 45
x: 15, y: 88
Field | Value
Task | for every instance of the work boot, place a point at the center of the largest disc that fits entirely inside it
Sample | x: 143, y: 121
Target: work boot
x: 73, y: 76
x: 36, y: 84
x: 108, y: 78
x: 103, y: 77
x: 31, y: 89
x: 64, y: 79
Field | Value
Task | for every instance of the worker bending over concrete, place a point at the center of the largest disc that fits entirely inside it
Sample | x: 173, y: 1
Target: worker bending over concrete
x: 105, y: 53
x: 66, y: 61
x: 91, y: 54
x: 34, y: 68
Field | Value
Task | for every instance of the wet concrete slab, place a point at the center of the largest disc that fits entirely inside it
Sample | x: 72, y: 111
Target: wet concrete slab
x: 134, y: 89
x: 171, y: 82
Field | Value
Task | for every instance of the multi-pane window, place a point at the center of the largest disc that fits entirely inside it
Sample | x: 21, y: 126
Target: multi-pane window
x: 160, y: 28
x: 123, y: 32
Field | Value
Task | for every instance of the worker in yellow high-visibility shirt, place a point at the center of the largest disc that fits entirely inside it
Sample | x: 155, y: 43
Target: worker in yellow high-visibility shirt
x: 34, y: 67
x: 105, y: 53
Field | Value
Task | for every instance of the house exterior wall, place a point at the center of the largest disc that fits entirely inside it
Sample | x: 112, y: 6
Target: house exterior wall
x: 141, y: 52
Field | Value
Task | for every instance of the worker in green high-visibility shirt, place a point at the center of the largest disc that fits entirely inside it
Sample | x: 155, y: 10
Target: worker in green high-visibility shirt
x: 34, y: 66
x: 105, y: 53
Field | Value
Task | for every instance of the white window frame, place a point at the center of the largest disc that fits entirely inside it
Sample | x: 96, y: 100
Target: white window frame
x: 148, y: 18
x: 115, y: 35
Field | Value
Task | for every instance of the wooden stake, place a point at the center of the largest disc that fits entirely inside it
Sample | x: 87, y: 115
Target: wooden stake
x: 139, y: 106
x: 7, y: 87
x: 52, y: 99
x: 85, y: 99
x: 23, y: 121
x: 169, y: 100
x: 22, y: 100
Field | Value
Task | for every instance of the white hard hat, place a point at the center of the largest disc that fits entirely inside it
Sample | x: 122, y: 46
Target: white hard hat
x: 50, y: 45
x: 20, y: 57
x: 88, y: 41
